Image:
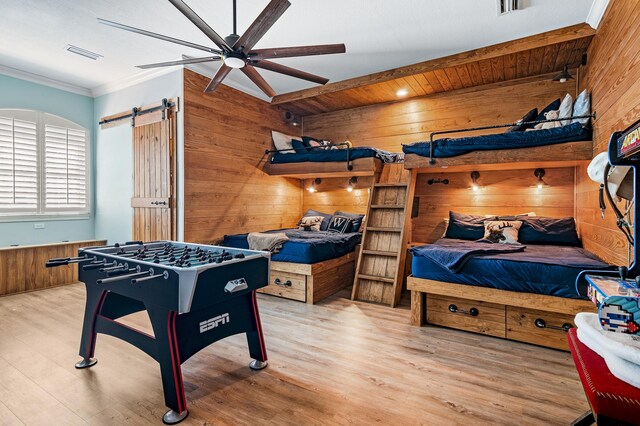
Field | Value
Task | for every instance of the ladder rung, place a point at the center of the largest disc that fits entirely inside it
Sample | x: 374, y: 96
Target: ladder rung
x: 383, y: 229
x: 387, y: 206
x: 380, y: 253
x: 390, y: 185
x: 374, y: 278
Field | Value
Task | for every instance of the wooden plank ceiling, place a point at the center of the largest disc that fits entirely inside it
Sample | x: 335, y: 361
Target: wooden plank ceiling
x: 526, y: 57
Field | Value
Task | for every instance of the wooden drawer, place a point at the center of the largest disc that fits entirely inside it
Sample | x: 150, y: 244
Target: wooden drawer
x: 290, y: 286
x: 521, y: 325
x: 488, y: 320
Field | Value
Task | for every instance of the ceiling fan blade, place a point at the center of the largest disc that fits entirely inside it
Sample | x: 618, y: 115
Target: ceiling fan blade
x: 253, y: 74
x: 288, y: 52
x: 283, y: 69
x: 217, y: 79
x: 261, y: 25
x: 158, y: 36
x: 199, y: 22
x: 182, y: 62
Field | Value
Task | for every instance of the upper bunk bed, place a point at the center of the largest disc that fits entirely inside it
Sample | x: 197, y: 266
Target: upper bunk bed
x: 521, y: 146
x: 306, y: 157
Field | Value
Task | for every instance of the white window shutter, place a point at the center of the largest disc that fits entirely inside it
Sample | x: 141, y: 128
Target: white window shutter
x: 65, y: 174
x: 18, y: 166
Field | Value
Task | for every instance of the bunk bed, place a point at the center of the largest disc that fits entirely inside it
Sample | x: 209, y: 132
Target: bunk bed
x: 323, y: 161
x: 311, y: 265
x: 520, y: 292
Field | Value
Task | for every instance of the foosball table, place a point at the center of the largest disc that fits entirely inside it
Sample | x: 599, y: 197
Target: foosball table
x: 194, y: 295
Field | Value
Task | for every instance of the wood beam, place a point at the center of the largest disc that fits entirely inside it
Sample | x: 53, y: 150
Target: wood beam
x: 573, y: 32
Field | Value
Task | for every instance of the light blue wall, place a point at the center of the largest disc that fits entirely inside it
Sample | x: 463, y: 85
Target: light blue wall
x: 21, y: 94
x: 114, y: 155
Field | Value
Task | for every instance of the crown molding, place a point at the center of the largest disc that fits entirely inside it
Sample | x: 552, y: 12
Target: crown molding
x: 598, y: 7
x: 45, y: 81
x: 132, y: 80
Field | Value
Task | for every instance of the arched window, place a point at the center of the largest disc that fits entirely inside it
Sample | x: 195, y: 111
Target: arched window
x: 44, y: 165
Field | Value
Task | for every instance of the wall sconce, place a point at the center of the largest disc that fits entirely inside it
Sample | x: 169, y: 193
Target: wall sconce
x: 293, y: 119
x: 540, y: 183
x: 313, y: 187
x: 352, y: 183
x: 474, y: 180
x: 563, y: 76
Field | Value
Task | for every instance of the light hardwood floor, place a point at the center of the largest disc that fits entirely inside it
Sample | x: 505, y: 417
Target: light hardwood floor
x: 338, y: 362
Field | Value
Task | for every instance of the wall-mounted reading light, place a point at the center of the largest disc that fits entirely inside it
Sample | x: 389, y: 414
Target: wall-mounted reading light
x: 474, y: 180
x: 401, y: 93
x: 540, y: 183
x: 563, y: 76
x: 352, y: 183
x: 313, y: 187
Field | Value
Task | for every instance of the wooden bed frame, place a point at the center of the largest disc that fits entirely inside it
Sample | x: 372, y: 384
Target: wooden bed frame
x: 526, y: 317
x: 310, y: 283
x: 565, y: 154
x: 309, y: 169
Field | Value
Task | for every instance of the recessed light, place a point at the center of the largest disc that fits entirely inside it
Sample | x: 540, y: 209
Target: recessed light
x: 82, y: 52
x: 402, y: 93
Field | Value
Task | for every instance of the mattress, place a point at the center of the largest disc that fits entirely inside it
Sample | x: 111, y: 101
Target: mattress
x: 323, y: 156
x: 446, y: 147
x: 540, y: 269
x: 305, y: 246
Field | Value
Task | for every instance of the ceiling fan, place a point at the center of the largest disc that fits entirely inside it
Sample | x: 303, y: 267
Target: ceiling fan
x: 237, y: 51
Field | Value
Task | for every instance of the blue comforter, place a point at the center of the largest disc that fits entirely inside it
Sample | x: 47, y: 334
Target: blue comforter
x: 452, y: 254
x: 329, y: 155
x: 443, y: 148
x: 305, y: 246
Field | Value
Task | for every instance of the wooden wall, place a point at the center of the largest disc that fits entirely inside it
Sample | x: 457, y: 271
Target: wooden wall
x: 22, y: 268
x: 226, y: 192
x: 388, y: 126
x: 332, y: 195
x: 501, y: 192
x: 612, y: 75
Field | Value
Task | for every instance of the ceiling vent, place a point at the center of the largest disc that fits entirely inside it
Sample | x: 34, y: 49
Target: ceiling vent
x: 82, y: 52
x: 507, y: 6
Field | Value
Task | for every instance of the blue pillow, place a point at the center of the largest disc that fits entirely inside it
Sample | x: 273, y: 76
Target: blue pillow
x: 551, y: 107
x: 530, y: 116
x: 357, y: 219
x: 466, y: 226
x: 298, y: 146
x: 326, y: 218
x: 549, y: 230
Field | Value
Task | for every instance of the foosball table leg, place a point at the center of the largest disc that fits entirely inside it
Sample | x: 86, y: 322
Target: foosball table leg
x: 255, y: 338
x: 93, y: 306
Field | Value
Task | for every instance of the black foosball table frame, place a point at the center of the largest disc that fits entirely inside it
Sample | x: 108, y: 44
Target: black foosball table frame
x: 195, y: 295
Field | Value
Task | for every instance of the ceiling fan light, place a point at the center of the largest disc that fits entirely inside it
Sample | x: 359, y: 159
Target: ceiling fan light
x: 233, y: 61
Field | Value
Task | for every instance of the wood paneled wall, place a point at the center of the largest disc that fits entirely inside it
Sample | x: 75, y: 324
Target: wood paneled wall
x: 22, y: 268
x: 501, y: 192
x: 388, y: 126
x: 332, y: 195
x: 226, y: 192
x: 612, y: 75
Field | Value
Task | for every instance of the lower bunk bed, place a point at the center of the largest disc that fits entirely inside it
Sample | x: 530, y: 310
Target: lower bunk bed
x: 529, y: 295
x: 310, y: 266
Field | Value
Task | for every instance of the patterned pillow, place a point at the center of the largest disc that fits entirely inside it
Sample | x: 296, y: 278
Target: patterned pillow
x: 310, y: 223
x: 502, y: 231
x: 340, y: 224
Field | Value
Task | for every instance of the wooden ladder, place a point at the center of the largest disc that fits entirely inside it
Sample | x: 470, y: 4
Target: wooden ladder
x: 380, y: 267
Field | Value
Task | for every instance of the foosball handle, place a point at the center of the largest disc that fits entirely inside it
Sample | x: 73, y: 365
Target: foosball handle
x: 55, y: 263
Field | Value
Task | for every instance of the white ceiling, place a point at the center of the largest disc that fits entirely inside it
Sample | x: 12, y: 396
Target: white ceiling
x: 379, y: 34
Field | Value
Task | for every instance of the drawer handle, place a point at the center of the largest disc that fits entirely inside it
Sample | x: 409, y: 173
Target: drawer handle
x: 540, y: 323
x: 279, y: 282
x: 473, y: 311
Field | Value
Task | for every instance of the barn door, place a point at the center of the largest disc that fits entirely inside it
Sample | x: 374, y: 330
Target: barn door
x: 153, y: 200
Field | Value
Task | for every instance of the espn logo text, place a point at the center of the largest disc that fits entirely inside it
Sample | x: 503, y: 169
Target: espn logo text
x: 212, y: 323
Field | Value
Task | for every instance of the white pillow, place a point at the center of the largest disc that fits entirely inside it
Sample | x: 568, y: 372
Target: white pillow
x: 502, y: 231
x: 566, y: 109
x: 282, y: 142
x: 311, y: 223
x: 582, y: 106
